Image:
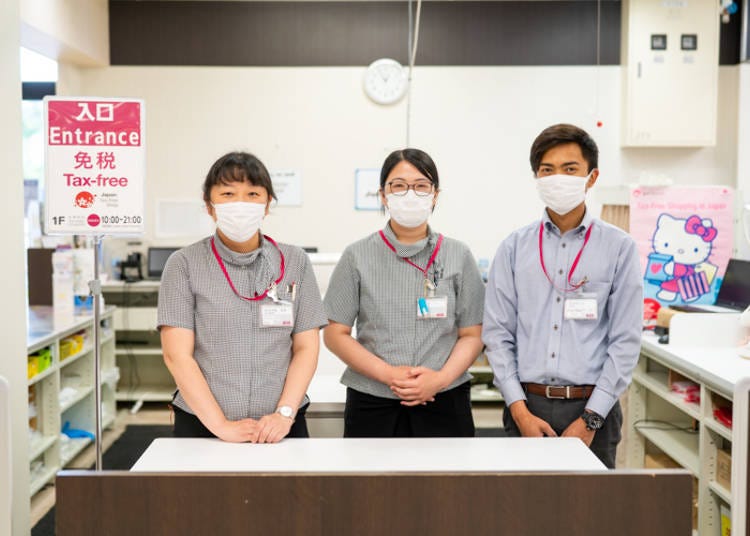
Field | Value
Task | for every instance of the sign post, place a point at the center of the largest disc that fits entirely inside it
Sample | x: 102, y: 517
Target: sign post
x: 94, y: 182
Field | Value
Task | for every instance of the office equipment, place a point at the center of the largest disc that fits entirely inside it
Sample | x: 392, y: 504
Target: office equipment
x: 157, y: 258
x: 437, y: 486
x: 130, y: 268
x: 734, y: 293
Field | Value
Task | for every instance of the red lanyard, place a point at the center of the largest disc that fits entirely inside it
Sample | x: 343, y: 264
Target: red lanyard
x: 572, y: 287
x: 429, y: 263
x: 226, y: 274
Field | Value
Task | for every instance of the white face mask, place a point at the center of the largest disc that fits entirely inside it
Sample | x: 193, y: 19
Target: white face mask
x: 410, y: 210
x: 562, y: 193
x: 239, y: 220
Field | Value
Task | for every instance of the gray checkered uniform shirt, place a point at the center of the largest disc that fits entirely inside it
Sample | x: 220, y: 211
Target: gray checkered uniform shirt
x: 244, y: 363
x: 379, y: 290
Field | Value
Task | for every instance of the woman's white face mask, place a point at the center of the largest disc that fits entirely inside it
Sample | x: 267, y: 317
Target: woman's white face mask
x: 562, y: 193
x: 410, y: 210
x: 239, y: 220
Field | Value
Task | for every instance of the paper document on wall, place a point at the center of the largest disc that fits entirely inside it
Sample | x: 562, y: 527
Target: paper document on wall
x: 684, y: 237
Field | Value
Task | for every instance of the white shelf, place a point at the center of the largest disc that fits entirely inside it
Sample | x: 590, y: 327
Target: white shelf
x: 39, y: 482
x: 38, y: 447
x: 46, y: 372
x: 716, y: 426
x: 78, y: 355
x: 155, y: 393
x: 679, y: 445
x: 723, y: 493
x: 79, y: 444
x: 106, y: 423
x: 480, y: 369
x: 82, y: 393
x: 124, y: 351
x: 656, y: 382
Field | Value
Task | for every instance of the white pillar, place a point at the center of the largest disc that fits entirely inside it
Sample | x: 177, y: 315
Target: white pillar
x: 13, y: 267
x: 743, y: 151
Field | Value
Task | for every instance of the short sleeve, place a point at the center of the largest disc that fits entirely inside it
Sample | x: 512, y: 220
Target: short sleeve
x: 342, y: 296
x: 308, y: 308
x: 176, y: 300
x: 470, y: 293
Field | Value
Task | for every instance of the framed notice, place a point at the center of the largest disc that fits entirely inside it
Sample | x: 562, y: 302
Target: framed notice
x: 95, y: 165
x: 366, y: 189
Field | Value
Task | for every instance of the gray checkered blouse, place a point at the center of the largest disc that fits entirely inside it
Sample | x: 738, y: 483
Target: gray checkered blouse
x: 374, y: 287
x: 244, y: 363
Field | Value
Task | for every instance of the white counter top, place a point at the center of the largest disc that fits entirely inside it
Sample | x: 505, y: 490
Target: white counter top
x: 370, y: 455
x: 718, y: 366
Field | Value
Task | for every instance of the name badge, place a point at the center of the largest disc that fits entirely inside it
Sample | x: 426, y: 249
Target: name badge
x: 582, y: 307
x: 436, y: 307
x: 276, y: 315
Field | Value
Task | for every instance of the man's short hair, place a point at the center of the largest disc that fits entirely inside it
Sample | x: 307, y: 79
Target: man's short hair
x: 558, y: 135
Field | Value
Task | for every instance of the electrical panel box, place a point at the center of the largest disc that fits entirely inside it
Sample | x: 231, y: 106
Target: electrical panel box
x: 670, y: 58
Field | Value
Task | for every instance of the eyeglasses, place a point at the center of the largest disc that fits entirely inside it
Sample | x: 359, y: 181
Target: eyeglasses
x: 422, y: 188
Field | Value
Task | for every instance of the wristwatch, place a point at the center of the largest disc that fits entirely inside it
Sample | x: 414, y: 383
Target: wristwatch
x: 593, y: 421
x: 285, y: 411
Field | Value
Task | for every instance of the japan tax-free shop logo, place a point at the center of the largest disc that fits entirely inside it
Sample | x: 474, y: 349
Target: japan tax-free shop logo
x: 92, y: 137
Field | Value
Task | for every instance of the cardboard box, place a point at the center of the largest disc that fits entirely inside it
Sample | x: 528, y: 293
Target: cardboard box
x: 724, y: 468
x: 660, y: 461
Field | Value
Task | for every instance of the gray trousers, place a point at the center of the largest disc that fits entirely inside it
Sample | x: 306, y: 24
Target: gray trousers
x: 560, y: 413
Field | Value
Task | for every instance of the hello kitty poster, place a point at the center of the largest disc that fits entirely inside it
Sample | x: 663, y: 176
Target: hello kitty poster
x: 684, y: 237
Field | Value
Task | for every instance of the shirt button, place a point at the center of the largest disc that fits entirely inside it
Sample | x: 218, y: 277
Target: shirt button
x: 563, y: 244
x: 555, y: 326
x: 552, y: 380
x: 558, y: 299
x: 553, y: 356
x: 560, y: 272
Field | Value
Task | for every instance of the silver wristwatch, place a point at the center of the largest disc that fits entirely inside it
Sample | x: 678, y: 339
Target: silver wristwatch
x: 285, y: 411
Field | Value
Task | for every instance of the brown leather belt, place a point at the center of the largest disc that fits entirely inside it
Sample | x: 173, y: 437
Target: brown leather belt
x: 562, y: 392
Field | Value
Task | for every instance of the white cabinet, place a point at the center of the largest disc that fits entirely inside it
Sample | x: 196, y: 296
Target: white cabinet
x: 670, y: 91
x: 143, y: 375
x: 691, y: 433
x: 61, y: 390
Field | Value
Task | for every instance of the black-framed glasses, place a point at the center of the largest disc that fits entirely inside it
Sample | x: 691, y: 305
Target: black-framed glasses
x: 422, y: 188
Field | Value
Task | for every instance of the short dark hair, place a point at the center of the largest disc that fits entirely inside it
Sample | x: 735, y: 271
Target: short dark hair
x: 417, y: 158
x: 558, y: 135
x: 237, y: 167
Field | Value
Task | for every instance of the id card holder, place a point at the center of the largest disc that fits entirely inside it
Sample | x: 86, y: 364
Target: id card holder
x: 582, y: 306
x: 276, y: 315
x: 434, y: 307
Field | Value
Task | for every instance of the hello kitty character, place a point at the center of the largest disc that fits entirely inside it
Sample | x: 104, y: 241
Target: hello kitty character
x: 684, y: 244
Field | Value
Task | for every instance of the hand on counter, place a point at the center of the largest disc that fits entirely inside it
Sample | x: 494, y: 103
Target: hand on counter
x: 578, y: 429
x: 273, y: 428
x: 240, y: 431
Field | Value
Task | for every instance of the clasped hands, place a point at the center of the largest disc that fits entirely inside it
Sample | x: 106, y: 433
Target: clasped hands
x: 268, y: 429
x: 415, y: 385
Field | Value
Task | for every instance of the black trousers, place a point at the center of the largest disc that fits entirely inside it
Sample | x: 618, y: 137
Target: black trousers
x: 372, y: 416
x: 188, y: 425
x: 560, y: 413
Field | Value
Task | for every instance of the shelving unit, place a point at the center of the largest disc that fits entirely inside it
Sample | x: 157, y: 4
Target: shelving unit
x: 482, y: 388
x: 47, y: 453
x: 687, y: 432
x: 143, y: 375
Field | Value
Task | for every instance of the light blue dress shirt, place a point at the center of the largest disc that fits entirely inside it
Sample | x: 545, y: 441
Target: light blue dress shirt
x: 527, y: 337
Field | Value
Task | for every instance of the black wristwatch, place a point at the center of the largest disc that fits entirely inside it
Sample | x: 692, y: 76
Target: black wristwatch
x: 593, y: 421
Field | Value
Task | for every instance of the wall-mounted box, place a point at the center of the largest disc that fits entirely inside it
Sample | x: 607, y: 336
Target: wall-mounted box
x: 670, y: 58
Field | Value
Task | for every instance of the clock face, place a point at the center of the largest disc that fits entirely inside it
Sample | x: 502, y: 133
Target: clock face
x: 386, y: 81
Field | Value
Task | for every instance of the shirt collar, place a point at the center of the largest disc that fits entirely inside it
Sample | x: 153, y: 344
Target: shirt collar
x: 242, y: 259
x: 586, y: 222
x: 408, y: 250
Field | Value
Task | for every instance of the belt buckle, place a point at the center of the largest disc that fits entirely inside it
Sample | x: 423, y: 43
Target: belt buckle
x: 549, y: 395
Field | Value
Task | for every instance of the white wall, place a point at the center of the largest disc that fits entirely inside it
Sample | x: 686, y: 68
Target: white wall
x: 743, y: 148
x: 76, y: 31
x: 13, y: 318
x: 477, y: 122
